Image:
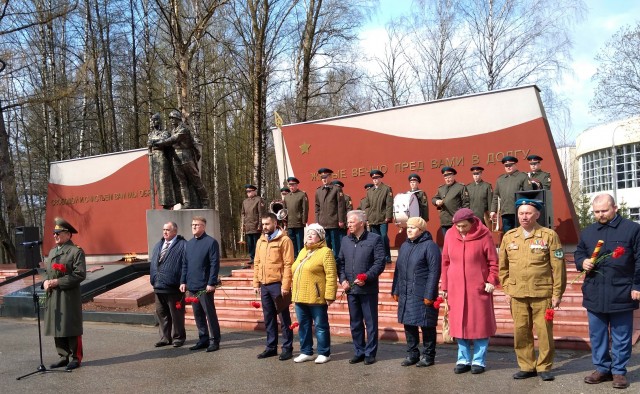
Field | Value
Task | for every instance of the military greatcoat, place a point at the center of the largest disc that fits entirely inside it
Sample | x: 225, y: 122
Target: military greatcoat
x: 480, y: 196
x: 297, y: 205
x: 506, y: 187
x: 454, y: 197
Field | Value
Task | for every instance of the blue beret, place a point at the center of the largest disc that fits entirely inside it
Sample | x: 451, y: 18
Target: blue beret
x: 527, y: 201
x: 476, y: 168
x: 368, y: 186
x: 415, y: 177
x: 509, y: 158
x: 451, y: 170
x: 249, y: 186
x: 337, y: 182
x: 376, y: 172
x: 534, y: 158
x: 292, y: 179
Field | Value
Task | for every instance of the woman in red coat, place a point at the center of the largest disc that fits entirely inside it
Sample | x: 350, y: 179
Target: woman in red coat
x: 469, y: 275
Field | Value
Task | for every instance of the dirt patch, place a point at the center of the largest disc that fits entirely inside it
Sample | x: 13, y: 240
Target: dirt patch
x: 92, y: 306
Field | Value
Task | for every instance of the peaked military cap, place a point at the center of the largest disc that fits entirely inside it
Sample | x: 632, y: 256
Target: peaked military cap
x: 325, y: 170
x: 250, y: 186
x: 368, y: 186
x: 285, y: 189
x: 448, y: 171
x: 337, y: 182
x: 509, y: 158
x: 534, y: 158
x: 292, y: 179
x: 476, y: 168
x: 415, y: 177
x: 63, y: 225
x: 376, y: 172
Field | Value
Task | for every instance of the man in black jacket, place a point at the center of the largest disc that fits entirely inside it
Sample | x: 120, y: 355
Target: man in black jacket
x: 360, y: 263
x: 165, y: 268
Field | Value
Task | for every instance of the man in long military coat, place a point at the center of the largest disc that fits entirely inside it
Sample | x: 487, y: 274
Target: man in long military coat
x: 449, y: 198
x: 380, y: 209
x: 65, y: 270
x: 507, y: 185
x: 297, y: 205
x: 253, y: 207
x: 480, y: 195
x: 331, y: 211
x: 539, y: 179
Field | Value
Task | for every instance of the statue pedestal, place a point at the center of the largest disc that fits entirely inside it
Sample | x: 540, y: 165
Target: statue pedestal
x: 156, y: 218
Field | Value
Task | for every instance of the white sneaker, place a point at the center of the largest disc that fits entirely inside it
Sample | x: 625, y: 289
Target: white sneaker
x: 322, y: 359
x: 302, y: 358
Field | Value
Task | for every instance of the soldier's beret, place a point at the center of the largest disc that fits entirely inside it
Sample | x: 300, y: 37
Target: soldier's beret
x: 337, y: 182
x: 509, y: 158
x: 250, y: 187
x: 448, y: 171
x: 527, y: 201
x: 476, y: 168
x: 325, y: 170
x: 368, y: 186
x: 534, y: 158
x: 292, y: 179
x: 285, y: 189
x: 376, y: 172
x: 415, y: 177
x: 63, y: 225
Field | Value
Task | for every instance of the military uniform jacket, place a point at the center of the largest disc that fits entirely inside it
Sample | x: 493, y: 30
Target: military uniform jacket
x: 454, y: 197
x: 506, y: 187
x: 348, y: 203
x: 379, y: 204
x: 532, y: 266
x: 252, y: 211
x: 297, y: 205
x: 543, y: 177
x: 480, y: 196
x: 423, y: 203
x: 330, y: 206
x: 63, y: 313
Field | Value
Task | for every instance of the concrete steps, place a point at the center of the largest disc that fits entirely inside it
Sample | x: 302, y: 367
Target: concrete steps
x: 135, y: 293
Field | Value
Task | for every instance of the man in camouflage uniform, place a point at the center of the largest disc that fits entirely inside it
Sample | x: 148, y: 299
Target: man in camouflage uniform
x: 423, y: 201
x: 162, y: 171
x: 449, y: 198
x: 297, y: 205
x: 507, y: 185
x: 330, y: 210
x: 253, y: 208
x: 480, y: 196
x: 380, y: 209
x: 539, y: 179
x: 185, y: 162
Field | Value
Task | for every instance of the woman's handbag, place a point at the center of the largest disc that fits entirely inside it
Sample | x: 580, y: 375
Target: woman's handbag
x: 445, y: 324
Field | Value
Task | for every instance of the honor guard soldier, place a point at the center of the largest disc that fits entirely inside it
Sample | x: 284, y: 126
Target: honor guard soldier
x: 507, y: 185
x: 423, y: 201
x: 533, y: 276
x: 347, y: 198
x: 284, y: 191
x: 539, y: 179
x: 449, y: 198
x: 363, y: 200
x: 297, y: 205
x: 253, y: 208
x: 330, y: 210
x: 380, y: 209
x: 480, y: 195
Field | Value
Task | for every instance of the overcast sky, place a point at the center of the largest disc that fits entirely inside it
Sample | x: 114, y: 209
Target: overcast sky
x: 603, y: 19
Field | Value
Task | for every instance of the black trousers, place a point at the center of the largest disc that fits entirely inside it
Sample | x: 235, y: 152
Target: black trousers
x: 428, y: 342
x: 204, y: 313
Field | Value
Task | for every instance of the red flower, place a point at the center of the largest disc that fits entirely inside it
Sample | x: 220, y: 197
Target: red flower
x: 255, y: 304
x: 191, y: 300
x: 362, y: 277
x: 548, y: 314
x: 619, y: 251
x: 294, y: 325
x: 59, y: 267
x: 437, y: 302
x: 178, y: 305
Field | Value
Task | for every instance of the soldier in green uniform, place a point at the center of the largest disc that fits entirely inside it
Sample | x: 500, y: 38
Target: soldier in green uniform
x: 331, y: 211
x: 507, y: 185
x: 348, y: 204
x: 449, y: 198
x: 480, y: 196
x: 423, y: 201
x: 253, y: 207
x: 380, y: 209
x: 533, y: 276
x: 363, y: 200
x: 65, y: 270
x: 539, y: 179
x: 297, y: 206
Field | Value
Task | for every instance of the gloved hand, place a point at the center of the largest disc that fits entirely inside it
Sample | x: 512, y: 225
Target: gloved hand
x: 488, y: 287
x: 395, y: 297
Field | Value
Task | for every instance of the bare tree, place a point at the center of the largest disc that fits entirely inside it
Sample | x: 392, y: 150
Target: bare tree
x: 617, y: 93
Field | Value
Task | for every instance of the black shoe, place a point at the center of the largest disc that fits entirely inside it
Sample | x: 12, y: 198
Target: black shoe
x: 268, y: 353
x: 409, y: 361
x: 369, y: 360
x: 477, y: 369
x: 286, y: 355
x: 162, y: 343
x: 198, y: 346
x: 73, y: 365
x: 424, y: 362
x: 546, y: 376
x: 356, y: 359
x: 178, y: 344
x: 524, y: 374
x: 62, y: 363
x: 213, y: 347
x: 462, y: 368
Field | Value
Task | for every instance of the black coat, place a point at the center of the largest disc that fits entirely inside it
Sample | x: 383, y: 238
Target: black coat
x: 165, y: 276
x: 416, y: 277
x: 365, y: 255
x: 609, y: 289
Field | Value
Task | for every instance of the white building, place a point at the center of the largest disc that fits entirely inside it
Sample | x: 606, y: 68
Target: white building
x: 609, y: 162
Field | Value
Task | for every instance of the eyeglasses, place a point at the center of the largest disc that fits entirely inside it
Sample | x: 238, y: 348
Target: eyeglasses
x: 509, y: 165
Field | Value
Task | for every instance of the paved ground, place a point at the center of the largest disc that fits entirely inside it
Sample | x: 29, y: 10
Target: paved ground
x: 121, y: 359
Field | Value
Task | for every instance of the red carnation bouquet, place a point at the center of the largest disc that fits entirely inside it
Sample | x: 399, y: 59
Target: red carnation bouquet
x: 617, y: 253
x: 438, y: 302
x: 59, y: 270
x: 548, y: 314
x: 194, y: 298
x: 360, y: 277
x: 294, y: 325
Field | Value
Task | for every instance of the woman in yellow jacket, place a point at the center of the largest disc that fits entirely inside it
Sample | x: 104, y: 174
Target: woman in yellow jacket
x: 314, y: 289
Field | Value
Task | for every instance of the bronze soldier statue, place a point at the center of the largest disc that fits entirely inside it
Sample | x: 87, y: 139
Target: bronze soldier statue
x: 185, y: 159
x: 162, y: 171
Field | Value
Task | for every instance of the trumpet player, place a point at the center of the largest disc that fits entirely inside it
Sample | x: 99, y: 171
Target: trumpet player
x: 539, y: 179
x: 252, y: 210
x: 297, y: 205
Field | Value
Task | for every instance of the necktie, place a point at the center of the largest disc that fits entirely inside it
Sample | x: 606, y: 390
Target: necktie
x: 163, y: 252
